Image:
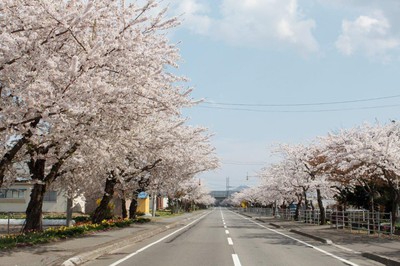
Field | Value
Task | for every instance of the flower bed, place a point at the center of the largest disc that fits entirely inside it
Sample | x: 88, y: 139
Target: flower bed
x: 63, y: 232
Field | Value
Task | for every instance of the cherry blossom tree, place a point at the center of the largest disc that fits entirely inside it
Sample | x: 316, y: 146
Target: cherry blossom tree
x: 78, y: 73
x: 191, y: 155
x: 169, y: 153
x: 367, y: 154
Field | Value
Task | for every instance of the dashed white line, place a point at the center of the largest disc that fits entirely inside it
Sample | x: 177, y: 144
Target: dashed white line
x: 235, y: 257
x: 236, y: 260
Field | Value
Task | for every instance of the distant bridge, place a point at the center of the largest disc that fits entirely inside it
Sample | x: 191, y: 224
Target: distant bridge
x: 220, y: 195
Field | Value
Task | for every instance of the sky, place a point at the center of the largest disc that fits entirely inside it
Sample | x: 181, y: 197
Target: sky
x: 285, y: 71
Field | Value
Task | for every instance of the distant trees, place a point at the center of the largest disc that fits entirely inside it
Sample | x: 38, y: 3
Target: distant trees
x: 87, y: 102
x: 360, y: 162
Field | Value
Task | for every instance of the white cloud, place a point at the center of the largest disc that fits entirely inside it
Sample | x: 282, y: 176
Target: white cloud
x: 370, y: 35
x: 255, y: 23
x: 282, y: 24
x: 194, y: 14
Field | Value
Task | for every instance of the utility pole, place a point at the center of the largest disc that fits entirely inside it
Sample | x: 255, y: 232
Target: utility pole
x: 154, y: 207
x: 69, y: 210
x: 227, y: 187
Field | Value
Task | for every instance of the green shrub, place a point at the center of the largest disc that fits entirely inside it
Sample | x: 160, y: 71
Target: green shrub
x: 51, y: 234
x: 141, y: 220
x: 19, y: 215
x: 81, y: 219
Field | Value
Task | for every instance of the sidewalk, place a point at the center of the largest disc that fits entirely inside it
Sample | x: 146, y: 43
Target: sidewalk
x: 76, y: 251
x: 383, y: 249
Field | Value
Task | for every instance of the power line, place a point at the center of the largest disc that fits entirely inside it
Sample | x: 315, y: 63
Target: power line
x: 302, y: 104
x: 300, y: 111
x: 242, y: 163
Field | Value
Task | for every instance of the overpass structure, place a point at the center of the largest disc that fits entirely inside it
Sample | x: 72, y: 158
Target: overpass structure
x: 221, y: 195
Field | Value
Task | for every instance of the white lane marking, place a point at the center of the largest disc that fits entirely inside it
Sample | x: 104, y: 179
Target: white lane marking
x: 227, y: 232
x: 304, y: 243
x: 156, y: 242
x: 236, y: 260
x: 347, y: 249
x: 230, y: 242
x: 225, y: 226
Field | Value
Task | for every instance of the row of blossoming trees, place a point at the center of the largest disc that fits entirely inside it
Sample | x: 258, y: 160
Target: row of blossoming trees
x: 89, y: 104
x: 363, y: 158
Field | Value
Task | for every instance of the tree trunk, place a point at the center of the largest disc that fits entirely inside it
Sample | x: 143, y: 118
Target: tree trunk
x: 321, y: 208
x: 8, y: 158
x: 176, y: 206
x: 395, y: 207
x: 34, y: 210
x: 306, y: 203
x: 134, y: 204
x: 101, y: 211
x: 297, y: 213
x: 123, y: 209
x: 37, y: 170
x: 171, y: 205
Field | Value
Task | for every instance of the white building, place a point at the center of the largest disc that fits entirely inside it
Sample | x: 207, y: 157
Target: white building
x: 17, y: 197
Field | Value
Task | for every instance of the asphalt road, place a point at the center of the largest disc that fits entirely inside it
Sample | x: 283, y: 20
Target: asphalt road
x: 221, y: 237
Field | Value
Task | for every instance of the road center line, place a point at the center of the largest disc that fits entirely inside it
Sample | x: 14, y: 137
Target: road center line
x: 158, y: 241
x: 302, y: 242
x: 230, y: 242
x: 227, y: 232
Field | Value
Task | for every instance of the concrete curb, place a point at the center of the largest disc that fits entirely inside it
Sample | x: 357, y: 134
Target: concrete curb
x: 320, y: 239
x: 371, y: 256
x: 246, y: 215
x: 107, y: 248
x: 380, y: 259
x: 276, y: 225
x: 260, y: 220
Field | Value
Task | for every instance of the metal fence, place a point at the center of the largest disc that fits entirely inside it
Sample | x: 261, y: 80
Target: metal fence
x: 363, y: 221
x: 268, y: 212
x: 12, y: 223
x: 353, y: 220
